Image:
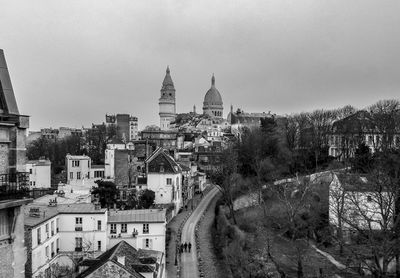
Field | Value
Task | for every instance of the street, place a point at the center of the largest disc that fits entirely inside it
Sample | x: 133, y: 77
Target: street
x: 189, y: 262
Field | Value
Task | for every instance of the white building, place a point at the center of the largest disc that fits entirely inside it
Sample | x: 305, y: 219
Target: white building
x: 81, y: 174
x: 164, y: 177
x: 55, y: 232
x: 83, y: 228
x: 143, y: 229
x: 39, y: 173
x: 42, y: 239
x: 133, y: 128
x: 78, y: 168
x: 355, y: 204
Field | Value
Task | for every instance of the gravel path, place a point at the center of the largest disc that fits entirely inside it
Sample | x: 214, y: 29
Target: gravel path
x: 208, y: 260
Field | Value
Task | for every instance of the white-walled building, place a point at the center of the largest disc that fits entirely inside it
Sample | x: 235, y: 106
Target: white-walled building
x: 54, y: 232
x: 42, y: 239
x: 356, y: 204
x: 39, y: 173
x: 78, y: 169
x: 144, y: 229
x: 164, y: 177
x: 83, y: 228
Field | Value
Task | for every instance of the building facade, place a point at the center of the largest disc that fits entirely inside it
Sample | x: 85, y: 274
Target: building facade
x: 144, y: 228
x: 164, y: 177
x: 13, y: 179
x: 39, y: 173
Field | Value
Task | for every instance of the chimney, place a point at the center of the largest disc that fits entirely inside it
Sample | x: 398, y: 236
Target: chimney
x: 121, y: 259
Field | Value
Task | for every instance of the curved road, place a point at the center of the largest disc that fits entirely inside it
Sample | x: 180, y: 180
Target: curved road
x: 189, y: 264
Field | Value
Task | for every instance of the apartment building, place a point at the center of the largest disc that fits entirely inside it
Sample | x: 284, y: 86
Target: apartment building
x: 144, y: 229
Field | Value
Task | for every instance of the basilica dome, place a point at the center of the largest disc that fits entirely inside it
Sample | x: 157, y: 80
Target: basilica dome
x: 213, y: 104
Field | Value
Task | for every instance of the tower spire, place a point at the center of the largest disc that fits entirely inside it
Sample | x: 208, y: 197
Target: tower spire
x: 213, y: 80
x: 168, y: 72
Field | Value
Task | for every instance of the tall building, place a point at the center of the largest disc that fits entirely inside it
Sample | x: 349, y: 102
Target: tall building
x: 213, y: 104
x: 167, y: 102
x: 127, y: 126
x: 13, y: 179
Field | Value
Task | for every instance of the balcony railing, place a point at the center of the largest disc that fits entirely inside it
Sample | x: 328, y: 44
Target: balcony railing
x: 14, y: 186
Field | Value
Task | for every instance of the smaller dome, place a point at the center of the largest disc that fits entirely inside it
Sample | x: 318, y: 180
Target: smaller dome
x: 213, y: 97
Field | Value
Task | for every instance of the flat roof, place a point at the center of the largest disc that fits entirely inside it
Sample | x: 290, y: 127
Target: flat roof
x: 137, y: 216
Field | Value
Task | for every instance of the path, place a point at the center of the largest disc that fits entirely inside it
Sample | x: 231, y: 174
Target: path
x: 189, y: 262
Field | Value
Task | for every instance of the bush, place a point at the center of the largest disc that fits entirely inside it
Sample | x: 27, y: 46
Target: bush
x: 248, y: 227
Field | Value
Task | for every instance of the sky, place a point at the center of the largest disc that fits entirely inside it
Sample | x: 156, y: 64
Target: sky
x: 73, y: 61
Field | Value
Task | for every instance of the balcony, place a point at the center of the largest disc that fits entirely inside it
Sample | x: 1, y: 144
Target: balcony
x: 14, y: 186
x: 78, y: 249
x: 78, y: 228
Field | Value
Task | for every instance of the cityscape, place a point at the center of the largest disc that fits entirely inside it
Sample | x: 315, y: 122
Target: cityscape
x: 222, y: 183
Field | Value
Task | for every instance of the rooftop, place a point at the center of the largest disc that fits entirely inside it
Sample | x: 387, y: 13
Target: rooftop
x: 44, y: 213
x: 80, y: 208
x: 39, y: 162
x: 137, y: 216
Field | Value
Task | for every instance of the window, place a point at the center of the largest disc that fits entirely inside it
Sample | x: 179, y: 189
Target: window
x: 52, y: 250
x: 4, y: 225
x: 99, y: 225
x: 123, y: 228
x: 71, y: 175
x: 99, y: 245
x: 113, y: 229
x: 124, y: 195
x: 78, y: 244
x: 52, y: 228
x: 47, y: 252
x: 47, y: 230
x: 30, y: 171
x: 78, y: 175
x: 34, y: 183
x: 75, y: 163
x: 145, y: 228
x: 369, y: 198
x: 148, y: 243
x: 57, y: 244
x: 39, y: 236
x: 78, y: 220
x: 169, y: 181
x: 57, y: 225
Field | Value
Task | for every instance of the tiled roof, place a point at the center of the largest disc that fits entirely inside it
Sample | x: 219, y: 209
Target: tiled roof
x: 134, y: 260
x: 137, y: 216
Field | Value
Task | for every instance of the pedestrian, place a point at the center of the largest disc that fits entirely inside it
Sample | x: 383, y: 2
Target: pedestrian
x: 185, y: 246
x: 189, y: 246
x: 181, y: 248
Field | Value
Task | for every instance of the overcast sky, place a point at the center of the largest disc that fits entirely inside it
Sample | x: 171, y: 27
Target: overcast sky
x: 71, y: 62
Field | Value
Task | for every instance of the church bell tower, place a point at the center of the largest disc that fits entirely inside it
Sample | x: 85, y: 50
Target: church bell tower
x: 167, y: 102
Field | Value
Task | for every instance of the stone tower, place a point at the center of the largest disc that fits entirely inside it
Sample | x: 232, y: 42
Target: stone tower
x: 167, y: 102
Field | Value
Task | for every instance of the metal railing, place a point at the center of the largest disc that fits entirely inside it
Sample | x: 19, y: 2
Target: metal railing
x: 14, y: 186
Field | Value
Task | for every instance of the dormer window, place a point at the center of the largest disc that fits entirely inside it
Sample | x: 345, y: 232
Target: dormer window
x: 162, y: 168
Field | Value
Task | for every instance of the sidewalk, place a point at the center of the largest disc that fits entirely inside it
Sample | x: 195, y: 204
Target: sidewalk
x: 173, y: 226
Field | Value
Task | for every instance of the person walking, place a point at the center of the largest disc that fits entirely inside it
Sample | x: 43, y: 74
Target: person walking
x: 185, y: 246
x: 189, y: 246
x: 181, y: 248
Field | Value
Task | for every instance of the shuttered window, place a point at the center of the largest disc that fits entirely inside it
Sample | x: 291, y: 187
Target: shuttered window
x: 4, y: 225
